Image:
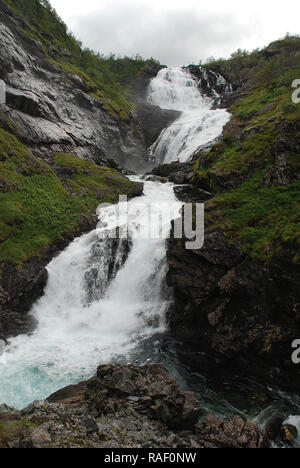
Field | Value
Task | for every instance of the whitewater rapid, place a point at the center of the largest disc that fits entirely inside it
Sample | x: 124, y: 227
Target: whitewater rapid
x: 199, y: 124
x: 85, y: 320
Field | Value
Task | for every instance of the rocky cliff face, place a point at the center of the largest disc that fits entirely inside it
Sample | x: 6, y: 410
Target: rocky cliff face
x: 54, y: 110
x: 212, y: 84
x: 239, y: 312
x: 152, y: 119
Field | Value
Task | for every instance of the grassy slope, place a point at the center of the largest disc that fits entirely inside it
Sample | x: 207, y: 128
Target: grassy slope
x: 37, y: 207
x: 262, y: 217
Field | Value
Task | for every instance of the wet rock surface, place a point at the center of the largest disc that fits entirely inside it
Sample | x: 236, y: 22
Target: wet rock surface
x: 177, y: 173
x: 210, y: 83
x: 280, y: 431
x: 106, y: 259
x: 236, y: 310
x: 190, y: 193
x: 153, y: 120
x: 123, y: 407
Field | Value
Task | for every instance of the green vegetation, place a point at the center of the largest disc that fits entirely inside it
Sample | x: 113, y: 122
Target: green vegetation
x: 269, y: 64
x: 254, y: 207
x: 11, y: 427
x: 263, y: 219
x: 106, y: 78
x: 38, y: 207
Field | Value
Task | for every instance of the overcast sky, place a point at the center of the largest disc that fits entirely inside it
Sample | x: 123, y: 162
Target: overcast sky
x: 178, y: 32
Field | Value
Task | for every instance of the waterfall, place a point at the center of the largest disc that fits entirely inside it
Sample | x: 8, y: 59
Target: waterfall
x: 106, y: 295
x: 199, y: 124
x: 103, y: 297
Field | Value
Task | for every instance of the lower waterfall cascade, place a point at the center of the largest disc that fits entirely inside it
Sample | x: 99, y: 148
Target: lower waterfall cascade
x: 80, y: 325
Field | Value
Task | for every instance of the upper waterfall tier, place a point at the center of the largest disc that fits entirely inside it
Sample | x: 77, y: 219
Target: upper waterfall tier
x: 176, y: 89
x: 199, y: 124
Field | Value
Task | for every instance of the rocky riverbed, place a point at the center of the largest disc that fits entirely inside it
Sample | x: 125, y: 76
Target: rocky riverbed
x: 124, y: 407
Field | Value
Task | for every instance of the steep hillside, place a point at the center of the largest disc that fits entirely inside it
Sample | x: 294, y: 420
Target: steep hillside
x: 65, y: 96
x: 238, y: 298
x: 66, y: 124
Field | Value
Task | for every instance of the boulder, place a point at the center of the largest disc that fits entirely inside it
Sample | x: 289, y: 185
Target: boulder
x: 165, y: 170
x: 236, y: 432
x: 289, y: 433
x: 150, y: 389
x: 190, y: 193
x: 177, y: 177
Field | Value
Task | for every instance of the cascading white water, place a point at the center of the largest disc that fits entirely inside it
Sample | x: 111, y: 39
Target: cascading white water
x: 103, y: 295
x: 199, y: 124
x: 85, y: 320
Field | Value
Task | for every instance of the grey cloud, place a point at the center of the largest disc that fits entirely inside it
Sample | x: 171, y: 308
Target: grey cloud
x: 175, y: 38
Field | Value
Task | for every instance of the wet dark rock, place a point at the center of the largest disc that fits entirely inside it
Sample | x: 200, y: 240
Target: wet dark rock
x: 235, y: 309
x: 289, y: 433
x: 166, y: 170
x: 177, y: 178
x: 274, y: 425
x: 26, y: 102
x: 139, y: 84
x: 177, y: 173
x: 234, y: 433
x: 153, y: 120
x: 5, y: 68
x: 190, y: 193
x: 162, y: 180
x: 283, y: 434
x: 107, y: 257
x: 211, y: 84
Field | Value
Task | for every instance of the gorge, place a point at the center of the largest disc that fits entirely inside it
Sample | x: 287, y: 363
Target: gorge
x: 73, y: 297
